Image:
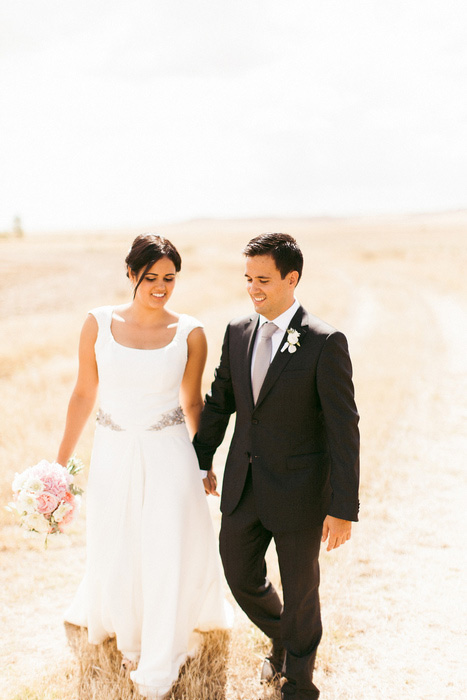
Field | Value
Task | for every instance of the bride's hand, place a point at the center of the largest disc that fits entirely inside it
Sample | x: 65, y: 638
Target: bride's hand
x: 210, y: 483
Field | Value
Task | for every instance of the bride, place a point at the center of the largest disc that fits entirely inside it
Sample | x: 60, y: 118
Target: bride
x: 152, y: 575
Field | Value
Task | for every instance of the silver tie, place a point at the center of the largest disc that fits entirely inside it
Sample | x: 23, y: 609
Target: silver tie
x: 262, y: 358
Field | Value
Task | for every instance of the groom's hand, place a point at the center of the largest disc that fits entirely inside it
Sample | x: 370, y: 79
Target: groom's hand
x: 210, y: 483
x: 337, y: 530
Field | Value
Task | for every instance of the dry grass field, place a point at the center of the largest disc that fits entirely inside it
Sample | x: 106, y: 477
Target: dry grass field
x: 394, y: 597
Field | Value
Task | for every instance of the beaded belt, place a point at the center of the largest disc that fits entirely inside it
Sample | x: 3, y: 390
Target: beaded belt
x: 173, y: 417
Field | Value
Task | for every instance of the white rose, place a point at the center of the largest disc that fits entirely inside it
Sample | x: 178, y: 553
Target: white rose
x: 60, y: 512
x: 292, y: 348
x: 36, y: 522
x: 293, y: 337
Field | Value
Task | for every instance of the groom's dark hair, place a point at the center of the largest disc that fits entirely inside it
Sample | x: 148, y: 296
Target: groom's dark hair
x: 281, y: 247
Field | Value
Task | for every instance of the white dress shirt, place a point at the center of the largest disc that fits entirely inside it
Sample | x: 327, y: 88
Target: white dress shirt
x: 283, y: 324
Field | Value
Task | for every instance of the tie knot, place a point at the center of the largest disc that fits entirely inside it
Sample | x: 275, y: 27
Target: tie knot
x: 268, y: 330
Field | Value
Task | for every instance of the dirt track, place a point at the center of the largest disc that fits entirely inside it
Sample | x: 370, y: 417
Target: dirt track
x: 408, y: 562
x: 393, y: 599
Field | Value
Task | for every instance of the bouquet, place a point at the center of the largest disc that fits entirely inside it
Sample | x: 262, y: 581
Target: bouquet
x: 46, y: 497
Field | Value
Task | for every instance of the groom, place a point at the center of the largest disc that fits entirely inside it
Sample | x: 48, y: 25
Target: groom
x: 293, y: 465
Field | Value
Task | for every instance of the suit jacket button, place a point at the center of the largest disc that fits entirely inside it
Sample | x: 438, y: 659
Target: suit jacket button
x: 255, y: 421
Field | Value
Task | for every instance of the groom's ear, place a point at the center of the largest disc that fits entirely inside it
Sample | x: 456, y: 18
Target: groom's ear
x: 293, y: 278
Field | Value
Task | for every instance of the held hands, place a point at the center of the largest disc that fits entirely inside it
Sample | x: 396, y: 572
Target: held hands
x: 210, y: 483
x: 338, y: 531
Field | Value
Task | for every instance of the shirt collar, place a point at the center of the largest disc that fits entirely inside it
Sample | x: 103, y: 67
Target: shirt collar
x: 282, y: 321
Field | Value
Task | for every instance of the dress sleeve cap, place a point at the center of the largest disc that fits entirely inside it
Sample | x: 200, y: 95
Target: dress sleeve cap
x: 103, y: 315
x: 187, y: 324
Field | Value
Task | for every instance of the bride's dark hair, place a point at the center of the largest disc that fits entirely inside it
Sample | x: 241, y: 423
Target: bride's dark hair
x: 147, y: 249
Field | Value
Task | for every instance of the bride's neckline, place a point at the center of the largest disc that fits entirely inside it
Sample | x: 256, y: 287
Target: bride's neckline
x: 131, y: 347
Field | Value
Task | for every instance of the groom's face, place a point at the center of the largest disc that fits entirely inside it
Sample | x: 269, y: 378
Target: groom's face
x: 271, y: 295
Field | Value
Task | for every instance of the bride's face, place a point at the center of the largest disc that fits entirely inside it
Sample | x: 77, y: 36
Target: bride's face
x: 157, y: 284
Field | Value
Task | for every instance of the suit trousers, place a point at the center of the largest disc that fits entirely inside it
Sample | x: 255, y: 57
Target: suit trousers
x: 243, y: 544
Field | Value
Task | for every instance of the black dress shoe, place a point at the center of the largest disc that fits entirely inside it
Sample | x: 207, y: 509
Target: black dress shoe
x: 273, y: 665
x: 290, y: 692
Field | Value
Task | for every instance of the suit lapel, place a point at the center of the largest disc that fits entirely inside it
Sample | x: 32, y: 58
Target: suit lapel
x: 248, y: 342
x: 281, y: 359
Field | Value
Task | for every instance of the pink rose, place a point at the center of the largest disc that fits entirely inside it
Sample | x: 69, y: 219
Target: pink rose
x: 68, y: 517
x: 46, y: 503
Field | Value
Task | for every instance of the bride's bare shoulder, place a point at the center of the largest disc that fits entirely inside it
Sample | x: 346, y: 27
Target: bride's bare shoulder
x: 120, y: 312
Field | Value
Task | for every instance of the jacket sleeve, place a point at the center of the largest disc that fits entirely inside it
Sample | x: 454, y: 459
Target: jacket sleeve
x: 336, y: 392
x: 218, y: 407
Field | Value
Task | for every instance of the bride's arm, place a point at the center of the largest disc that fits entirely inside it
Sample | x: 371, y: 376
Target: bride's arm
x: 191, y: 399
x: 84, y: 394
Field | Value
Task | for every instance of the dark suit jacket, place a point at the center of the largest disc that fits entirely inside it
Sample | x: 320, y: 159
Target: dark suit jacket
x: 301, y: 436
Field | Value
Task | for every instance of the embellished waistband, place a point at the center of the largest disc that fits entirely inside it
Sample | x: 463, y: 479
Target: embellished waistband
x: 173, y: 417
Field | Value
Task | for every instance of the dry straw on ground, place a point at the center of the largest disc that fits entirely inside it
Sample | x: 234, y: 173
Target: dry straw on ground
x: 392, y: 598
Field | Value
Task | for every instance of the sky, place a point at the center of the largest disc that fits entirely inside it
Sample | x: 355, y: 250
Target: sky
x: 119, y: 113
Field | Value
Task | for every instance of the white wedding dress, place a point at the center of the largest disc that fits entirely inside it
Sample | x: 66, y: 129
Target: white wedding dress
x: 153, y: 577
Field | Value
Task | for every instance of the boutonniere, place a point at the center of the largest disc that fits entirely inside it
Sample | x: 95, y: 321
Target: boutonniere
x: 291, y: 344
